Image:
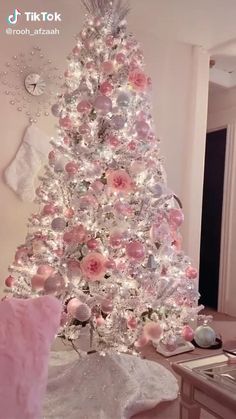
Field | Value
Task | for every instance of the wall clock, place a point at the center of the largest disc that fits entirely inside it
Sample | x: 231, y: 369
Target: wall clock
x: 35, y: 84
x: 31, y: 82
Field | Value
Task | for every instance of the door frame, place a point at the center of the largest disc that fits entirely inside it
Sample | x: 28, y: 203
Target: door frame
x: 227, y: 213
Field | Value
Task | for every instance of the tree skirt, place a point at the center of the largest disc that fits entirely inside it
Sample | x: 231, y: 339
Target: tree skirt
x: 105, y: 387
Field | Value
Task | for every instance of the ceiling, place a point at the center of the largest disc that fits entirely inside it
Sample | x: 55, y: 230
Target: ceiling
x: 207, y: 23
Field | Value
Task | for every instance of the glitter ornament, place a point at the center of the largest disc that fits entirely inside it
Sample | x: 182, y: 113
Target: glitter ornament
x: 65, y: 122
x: 103, y: 104
x: 117, y: 122
x: 69, y: 213
x: 120, y: 58
x: 84, y: 106
x: 71, y: 168
x: 54, y: 284
x: 135, y: 250
x: 49, y: 209
x: 191, y: 272
x: 92, y: 244
x: 58, y: 224
x: 106, y: 88
x: 205, y: 336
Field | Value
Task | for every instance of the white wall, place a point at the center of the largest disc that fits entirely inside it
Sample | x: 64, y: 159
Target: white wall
x: 180, y: 78
x: 222, y: 113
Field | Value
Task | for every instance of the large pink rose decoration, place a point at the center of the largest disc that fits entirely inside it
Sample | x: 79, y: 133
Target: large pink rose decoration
x: 119, y: 181
x: 138, y: 80
x: 93, y: 266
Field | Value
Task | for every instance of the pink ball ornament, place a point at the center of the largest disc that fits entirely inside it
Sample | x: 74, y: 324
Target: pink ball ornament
x: 188, y: 333
x: 69, y: 213
x: 84, y: 129
x: 45, y: 270
x: 107, y: 306
x: 72, y: 306
x: 106, y: 88
x: 73, y: 267
x: 141, y: 342
x: 120, y: 58
x: 82, y: 312
x: 21, y: 255
x: 65, y: 122
x: 49, y: 209
x: 83, y: 34
x: 142, y: 129
x: 191, y: 272
x: 9, y: 281
x: 89, y: 44
x: 93, y: 244
x: 110, y: 40
x: 84, y: 106
x: 97, y: 22
x: 152, y: 330
x: 103, y: 104
x: 108, y: 67
x: 54, y: 284
x: 97, y: 186
x: 118, y: 122
x: 37, y: 282
x: 116, y: 239
x: 110, y: 264
x: 75, y: 235
x: 100, y: 321
x: 76, y: 50
x: 90, y: 65
x: 132, y: 323
x: 175, y: 217
x: 71, y: 168
x: 51, y: 156
x: 135, y: 250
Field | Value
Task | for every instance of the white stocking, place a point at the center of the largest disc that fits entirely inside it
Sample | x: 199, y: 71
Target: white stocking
x: 22, y: 171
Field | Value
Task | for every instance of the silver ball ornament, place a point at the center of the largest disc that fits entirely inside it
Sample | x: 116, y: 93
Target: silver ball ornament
x: 123, y: 100
x: 58, y: 224
x: 56, y: 110
x: 205, y: 336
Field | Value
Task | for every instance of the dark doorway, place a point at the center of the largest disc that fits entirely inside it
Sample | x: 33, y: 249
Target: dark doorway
x: 213, y: 191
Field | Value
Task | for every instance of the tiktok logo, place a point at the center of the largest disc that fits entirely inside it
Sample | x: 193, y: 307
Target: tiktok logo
x: 12, y: 19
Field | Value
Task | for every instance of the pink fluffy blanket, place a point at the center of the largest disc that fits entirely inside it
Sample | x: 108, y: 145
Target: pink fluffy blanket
x: 27, y: 329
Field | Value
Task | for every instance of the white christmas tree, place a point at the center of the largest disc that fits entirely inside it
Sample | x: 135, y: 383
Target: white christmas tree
x: 106, y: 237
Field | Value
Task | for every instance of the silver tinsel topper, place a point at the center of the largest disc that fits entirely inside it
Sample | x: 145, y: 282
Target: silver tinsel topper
x: 113, y: 10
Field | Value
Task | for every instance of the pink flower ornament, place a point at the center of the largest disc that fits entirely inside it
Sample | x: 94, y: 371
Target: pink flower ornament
x: 93, y: 266
x: 119, y: 181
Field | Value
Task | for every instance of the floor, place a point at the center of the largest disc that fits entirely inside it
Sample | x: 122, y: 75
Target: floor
x: 226, y: 327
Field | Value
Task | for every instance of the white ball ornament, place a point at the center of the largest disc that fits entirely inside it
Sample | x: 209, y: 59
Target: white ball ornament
x: 205, y: 336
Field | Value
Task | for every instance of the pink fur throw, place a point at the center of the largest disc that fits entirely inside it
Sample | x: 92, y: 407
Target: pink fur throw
x: 27, y: 329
